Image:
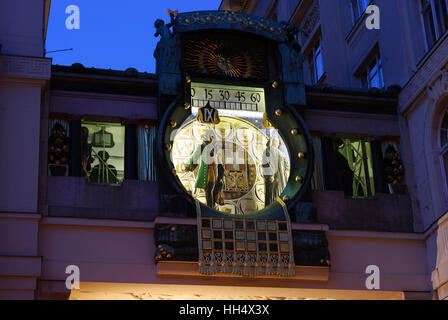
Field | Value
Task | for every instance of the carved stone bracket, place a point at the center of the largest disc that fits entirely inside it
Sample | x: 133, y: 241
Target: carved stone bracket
x: 419, y: 82
x: 311, y: 19
x: 440, y: 86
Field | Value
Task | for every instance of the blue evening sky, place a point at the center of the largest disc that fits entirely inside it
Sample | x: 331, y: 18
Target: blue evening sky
x: 113, y: 34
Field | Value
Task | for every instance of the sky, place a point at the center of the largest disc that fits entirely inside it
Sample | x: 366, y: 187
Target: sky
x: 112, y: 34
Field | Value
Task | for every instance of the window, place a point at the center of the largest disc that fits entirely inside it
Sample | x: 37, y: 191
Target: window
x: 102, y: 152
x: 359, y: 6
x: 373, y: 77
x: 435, y: 19
x: 444, y: 143
x: 317, y: 62
x: 353, y: 167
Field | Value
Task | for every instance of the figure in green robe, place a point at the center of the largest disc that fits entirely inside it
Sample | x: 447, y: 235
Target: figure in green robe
x: 205, y: 157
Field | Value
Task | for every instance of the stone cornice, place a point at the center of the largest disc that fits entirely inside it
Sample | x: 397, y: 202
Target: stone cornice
x: 103, y: 96
x: 190, y: 269
x: 25, y: 67
x: 431, y: 78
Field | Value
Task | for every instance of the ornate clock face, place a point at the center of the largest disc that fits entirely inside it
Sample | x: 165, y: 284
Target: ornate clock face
x: 224, y: 57
x: 236, y: 166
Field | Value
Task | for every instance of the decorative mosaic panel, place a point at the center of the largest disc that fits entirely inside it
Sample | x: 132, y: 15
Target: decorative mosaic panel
x: 247, y: 247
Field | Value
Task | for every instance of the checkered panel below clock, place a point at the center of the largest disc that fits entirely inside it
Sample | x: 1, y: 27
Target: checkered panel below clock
x: 245, y: 236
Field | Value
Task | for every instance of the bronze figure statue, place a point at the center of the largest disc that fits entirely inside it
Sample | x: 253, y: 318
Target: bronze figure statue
x: 168, y: 56
x: 292, y: 67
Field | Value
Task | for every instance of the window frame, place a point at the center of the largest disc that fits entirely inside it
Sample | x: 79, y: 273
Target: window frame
x: 273, y: 15
x: 94, y: 155
x: 438, y: 23
x: 443, y: 149
x: 377, y: 63
x: 357, y: 12
x: 317, y: 52
x: 365, y: 168
x: 358, y: 154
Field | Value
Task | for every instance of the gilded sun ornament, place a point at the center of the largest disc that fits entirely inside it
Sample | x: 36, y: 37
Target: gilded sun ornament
x: 221, y: 57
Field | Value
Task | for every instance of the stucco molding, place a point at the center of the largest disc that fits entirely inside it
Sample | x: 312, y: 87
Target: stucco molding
x: 223, y: 290
x: 436, y: 92
x: 351, y: 115
x: 439, y: 87
x: 376, y: 235
x: 190, y: 269
x: 102, y: 96
x: 20, y: 216
x: 25, y: 67
x: 356, y: 32
x: 430, y: 78
x: 19, y: 266
x: 309, y: 23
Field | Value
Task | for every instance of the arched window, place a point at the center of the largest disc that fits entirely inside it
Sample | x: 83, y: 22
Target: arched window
x: 444, y: 142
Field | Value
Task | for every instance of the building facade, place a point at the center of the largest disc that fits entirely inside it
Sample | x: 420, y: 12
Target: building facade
x: 409, y: 50
x: 87, y: 186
